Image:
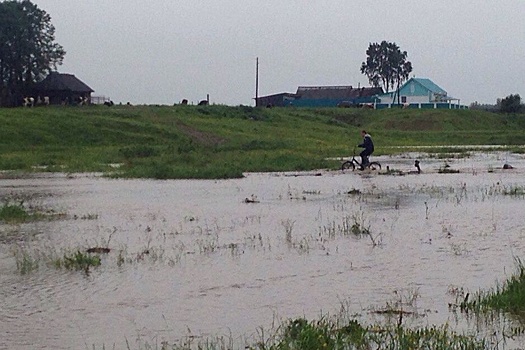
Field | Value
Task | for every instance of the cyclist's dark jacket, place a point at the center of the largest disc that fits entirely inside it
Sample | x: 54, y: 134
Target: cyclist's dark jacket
x: 367, y: 144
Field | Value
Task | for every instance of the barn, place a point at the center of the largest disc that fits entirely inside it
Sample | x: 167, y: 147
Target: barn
x: 275, y: 100
x: 322, y: 96
x: 62, y: 88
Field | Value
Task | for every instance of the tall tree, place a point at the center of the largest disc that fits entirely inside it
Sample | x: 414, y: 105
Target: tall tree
x: 386, y: 65
x: 28, y: 51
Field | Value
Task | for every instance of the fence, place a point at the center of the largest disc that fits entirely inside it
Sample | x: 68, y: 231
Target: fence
x: 99, y: 100
x: 435, y: 105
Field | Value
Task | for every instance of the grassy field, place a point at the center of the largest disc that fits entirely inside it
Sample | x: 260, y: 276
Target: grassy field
x: 223, y: 142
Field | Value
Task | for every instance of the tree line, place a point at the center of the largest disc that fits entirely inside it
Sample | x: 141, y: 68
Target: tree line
x: 510, y: 104
x: 28, y: 51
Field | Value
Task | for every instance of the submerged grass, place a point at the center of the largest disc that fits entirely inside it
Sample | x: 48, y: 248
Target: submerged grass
x: 28, y: 260
x: 26, y: 263
x: 78, y: 261
x: 301, y: 334
x: 508, y: 297
x: 14, y: 213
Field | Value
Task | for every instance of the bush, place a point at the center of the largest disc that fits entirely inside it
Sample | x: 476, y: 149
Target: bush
x: 511, y: 104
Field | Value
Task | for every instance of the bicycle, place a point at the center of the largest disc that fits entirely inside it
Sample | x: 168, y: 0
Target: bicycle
x: 352, y: 163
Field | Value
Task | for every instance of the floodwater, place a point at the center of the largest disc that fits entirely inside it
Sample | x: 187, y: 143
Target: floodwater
x: 214, y: 258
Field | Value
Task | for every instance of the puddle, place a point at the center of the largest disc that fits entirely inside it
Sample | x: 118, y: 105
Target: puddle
x: 228, y: 256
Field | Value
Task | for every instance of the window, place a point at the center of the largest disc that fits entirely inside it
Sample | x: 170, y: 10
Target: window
x: 403, y: 99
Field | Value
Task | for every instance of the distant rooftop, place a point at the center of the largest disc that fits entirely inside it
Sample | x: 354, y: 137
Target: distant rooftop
x: 62, y: 82
x: 336, y: 92
x: 430, y: 85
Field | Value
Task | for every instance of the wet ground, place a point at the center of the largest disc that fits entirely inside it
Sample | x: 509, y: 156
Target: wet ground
x: 207, y: 258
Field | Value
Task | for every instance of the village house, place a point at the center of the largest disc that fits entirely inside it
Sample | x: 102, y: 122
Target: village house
x: 418, y: 93
x: 322, y: 96
x: 63, y: 88
x: 415, y: 93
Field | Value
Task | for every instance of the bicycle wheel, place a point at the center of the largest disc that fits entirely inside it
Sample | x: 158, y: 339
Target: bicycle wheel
x: 374, y: 166
x: 348, y: 165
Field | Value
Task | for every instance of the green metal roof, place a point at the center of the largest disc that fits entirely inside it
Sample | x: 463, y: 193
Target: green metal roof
x: 428, y: 84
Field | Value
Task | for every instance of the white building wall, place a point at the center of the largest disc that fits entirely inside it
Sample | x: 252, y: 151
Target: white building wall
x: 409, y: 99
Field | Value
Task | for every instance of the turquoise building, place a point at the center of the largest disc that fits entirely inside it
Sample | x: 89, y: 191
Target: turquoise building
x: 418, y: 93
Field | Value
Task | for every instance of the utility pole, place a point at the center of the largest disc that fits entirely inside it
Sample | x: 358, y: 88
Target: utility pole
x: 256, y: 81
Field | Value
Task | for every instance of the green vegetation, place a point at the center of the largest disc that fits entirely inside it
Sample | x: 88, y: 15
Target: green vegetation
x: 28, y: 260
x: 27, y: 48
x: 301, y: 334
x: 25, y: 263
x: 386, y: 66
x: 165, y: 142
x: 515, y: 190
x: 509, y: 297
x: 13, y: 213
x: 78, y: 261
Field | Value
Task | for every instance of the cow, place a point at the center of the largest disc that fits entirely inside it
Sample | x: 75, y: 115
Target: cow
x: 29, y: 101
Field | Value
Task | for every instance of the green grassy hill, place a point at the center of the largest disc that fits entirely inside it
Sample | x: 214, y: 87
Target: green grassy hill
x: 222, y: 142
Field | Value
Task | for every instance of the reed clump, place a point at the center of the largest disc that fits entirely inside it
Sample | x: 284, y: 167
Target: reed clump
x: 301, y: 334
x: 78, y: 261
x: 507, y: 297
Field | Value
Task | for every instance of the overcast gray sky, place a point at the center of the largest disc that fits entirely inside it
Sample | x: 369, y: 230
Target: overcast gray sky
x: 162, y: 51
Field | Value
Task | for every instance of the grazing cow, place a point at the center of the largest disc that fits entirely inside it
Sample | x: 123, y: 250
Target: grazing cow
x: 46, y: 100
x: 184, y: 102
x: 108, y: 103
x: 29, y: 101
x: 203, y: 103
x: 83, y: 101
x: 406, y: 105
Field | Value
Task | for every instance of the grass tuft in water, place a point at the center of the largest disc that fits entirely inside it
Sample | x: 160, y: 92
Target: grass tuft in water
x: 518, y: 191
x: 301, y: 334
x: 78, y: 261
x: 508, y: 297
x: 14, y: 213
x: 25, y: 263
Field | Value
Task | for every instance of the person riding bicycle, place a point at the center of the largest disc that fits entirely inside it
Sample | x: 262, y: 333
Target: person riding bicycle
x: 368, y: 146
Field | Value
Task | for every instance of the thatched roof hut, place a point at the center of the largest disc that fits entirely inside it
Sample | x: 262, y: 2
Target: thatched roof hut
x: 62, y: 88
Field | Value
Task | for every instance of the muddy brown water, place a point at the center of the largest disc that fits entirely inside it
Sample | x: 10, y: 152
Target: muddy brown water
x: 208, y: 258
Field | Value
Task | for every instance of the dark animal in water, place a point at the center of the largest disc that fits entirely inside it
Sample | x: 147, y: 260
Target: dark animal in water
x: 418, y: 171
x: 98, y: 250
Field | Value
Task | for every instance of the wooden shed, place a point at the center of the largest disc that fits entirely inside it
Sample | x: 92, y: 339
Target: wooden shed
x: 62, y: 88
